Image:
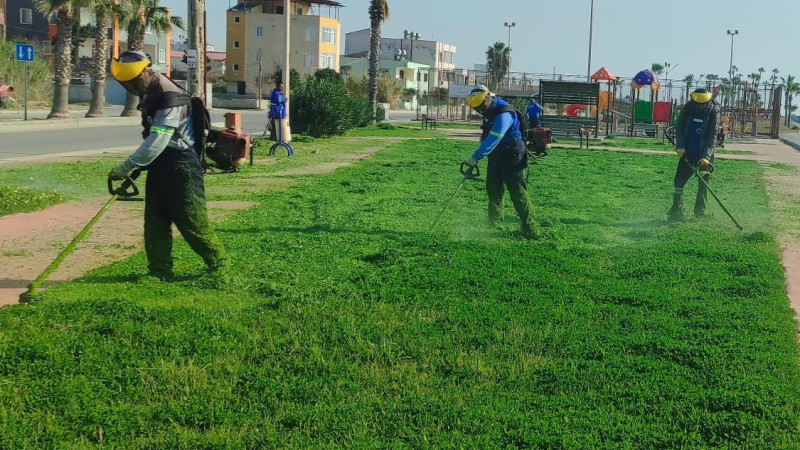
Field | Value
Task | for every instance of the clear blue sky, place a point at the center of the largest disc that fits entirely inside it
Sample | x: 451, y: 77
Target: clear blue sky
x: 628, y: 35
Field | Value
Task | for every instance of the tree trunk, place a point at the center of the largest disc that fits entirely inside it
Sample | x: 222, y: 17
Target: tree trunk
x: 375, y: 15
x: 135, y: 42
x: 63, y: 66
x: 99, y: 62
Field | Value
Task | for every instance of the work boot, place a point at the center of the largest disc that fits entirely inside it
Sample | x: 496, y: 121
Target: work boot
x: 528, y: 233
x: 675, y: 214
x: 166, y: 276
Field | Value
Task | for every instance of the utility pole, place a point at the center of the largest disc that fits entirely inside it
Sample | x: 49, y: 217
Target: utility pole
x: 287, y: 70
x: 509, y: 26
x: 197, y: 45
x: 260, y: 79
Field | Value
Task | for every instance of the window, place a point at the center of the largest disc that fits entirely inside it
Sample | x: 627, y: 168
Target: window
x: 309, y: 59
x: 235, y: 68
x: 259, y: 31
x: 279, y: 10
x: 162, y: 56
x: 25, y: 16
x: 328, y: 61
x: 236, y: 19
x: 235, y: 44
x: 328, y: 35
x: 47, y: 47
x: 310, y: 34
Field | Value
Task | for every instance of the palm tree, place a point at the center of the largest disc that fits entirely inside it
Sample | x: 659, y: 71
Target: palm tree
x: 104, y: 11
x: 688, y: 79
x: 657, y: 68
x: 139, y: 16
x: 773, y: 79
x: 792, y: 87
x: 65, y: 20
x: 498, y: 60
x: 378, y: 13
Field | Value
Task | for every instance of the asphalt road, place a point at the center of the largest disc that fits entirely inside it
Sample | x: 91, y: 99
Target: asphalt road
x: 38, y: 137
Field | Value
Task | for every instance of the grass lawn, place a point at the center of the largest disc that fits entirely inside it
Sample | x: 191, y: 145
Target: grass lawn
x: 346, y: 322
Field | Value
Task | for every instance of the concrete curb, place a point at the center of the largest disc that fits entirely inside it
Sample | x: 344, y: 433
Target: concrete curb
x: 7, y: 126
x: 794, y: 145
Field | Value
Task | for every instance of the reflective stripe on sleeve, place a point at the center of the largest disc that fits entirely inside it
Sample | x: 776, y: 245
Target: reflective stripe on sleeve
x: 161, y: 130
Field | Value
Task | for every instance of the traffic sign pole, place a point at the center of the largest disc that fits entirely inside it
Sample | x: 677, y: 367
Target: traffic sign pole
x: 26, y: 90
x: 25, y: 53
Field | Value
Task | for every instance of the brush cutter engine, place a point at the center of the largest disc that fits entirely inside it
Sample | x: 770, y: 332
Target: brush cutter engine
x: 539, y: 140
x: 228, y: 148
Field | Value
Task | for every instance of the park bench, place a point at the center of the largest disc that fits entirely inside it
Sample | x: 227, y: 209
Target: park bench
x: 648, y: 129
x: 428, y: 122
x: 569, y: 126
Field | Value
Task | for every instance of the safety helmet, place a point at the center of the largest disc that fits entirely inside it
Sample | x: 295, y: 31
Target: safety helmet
x: 700, y: 96
x: 477, y: 96
x: 131, y: 64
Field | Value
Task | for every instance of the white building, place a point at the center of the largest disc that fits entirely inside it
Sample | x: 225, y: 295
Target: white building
x: 437, y: 55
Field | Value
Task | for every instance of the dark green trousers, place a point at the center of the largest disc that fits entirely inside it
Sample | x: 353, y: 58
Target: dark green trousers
x: 506, y: 169
x: 175, y: 193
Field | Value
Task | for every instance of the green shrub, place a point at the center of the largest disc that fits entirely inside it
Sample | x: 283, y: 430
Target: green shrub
x: 12, y: 72
x: 380, y: 114
x: 322, y: 107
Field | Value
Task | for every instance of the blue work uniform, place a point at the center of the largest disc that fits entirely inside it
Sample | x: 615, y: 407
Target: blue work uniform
x: 507, y: 159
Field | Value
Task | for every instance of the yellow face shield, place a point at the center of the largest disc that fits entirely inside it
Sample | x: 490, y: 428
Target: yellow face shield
x: 126, y: 71
x: 476, y: 97
x: 700, y: 97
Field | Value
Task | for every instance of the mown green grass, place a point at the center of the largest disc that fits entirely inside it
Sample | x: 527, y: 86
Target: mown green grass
x: 346, y: 322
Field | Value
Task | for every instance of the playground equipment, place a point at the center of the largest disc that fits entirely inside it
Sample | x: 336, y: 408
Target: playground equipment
x: 602, y: 104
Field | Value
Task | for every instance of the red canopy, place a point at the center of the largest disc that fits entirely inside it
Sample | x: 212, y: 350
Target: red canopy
x: 603, y: 75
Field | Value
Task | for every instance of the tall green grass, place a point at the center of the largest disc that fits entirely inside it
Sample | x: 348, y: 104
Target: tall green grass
x: 346, y: 322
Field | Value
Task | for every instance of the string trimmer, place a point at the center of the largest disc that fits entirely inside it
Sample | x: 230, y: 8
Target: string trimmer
x: 126, y: 191
x: 702, y: 180
x: 469, y: 172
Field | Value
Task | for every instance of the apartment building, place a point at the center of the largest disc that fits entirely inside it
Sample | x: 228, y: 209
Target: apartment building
x: 439, y: 56
x: 256, y: 44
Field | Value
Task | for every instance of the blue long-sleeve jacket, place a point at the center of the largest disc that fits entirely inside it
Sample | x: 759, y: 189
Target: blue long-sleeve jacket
x: 505, y: 127
x: 277, y: 105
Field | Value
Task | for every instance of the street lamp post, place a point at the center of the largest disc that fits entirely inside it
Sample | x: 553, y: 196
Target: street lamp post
x: 589, y: 63
x: 410, y: 35
x: 509, y: 26
x: 730, y: 66
x: 667, y: 68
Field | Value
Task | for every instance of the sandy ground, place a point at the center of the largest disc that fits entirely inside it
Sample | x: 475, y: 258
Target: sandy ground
x: 29, y: 242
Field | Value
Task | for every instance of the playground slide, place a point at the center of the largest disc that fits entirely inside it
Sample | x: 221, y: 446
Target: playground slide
x: 572, y: 110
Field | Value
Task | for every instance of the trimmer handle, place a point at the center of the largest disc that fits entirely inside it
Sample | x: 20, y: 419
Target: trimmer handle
x: 470, y: 171
x: 128, y: 188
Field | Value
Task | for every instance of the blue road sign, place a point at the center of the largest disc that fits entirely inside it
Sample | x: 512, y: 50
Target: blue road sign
x: 24, y: 52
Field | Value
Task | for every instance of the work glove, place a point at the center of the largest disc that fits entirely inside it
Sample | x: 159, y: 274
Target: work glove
x: 704, y: 167
x: 117, y: 173
x: 679, y: 152
x: 471, y: 161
